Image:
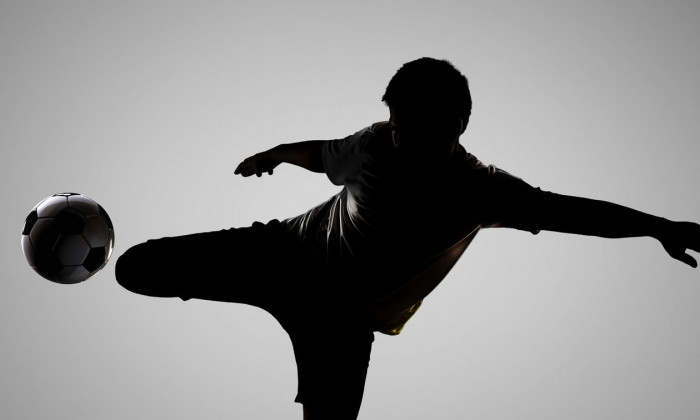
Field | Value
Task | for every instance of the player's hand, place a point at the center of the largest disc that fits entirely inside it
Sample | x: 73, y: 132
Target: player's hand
x: 256, y: 165
x: 678, y: 238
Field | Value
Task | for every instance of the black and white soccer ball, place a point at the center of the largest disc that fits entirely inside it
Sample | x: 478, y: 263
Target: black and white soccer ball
x: 67, y: 238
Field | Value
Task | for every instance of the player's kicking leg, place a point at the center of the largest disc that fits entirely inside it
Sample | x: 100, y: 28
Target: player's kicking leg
x: 246, y: 265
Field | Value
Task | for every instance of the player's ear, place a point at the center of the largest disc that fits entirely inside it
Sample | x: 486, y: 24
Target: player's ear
x: 463, y: 124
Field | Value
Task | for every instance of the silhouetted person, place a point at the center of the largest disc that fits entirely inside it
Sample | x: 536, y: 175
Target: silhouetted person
x: 412, y: 201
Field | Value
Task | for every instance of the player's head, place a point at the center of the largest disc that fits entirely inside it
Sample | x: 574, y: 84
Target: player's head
x: 430, y: 92
x: 430, y: 105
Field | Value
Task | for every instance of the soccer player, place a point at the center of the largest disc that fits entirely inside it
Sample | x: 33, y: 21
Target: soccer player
x: 412, y: 200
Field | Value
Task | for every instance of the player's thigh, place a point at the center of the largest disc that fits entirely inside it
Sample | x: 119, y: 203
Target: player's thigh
x: 332, y: 368
x: 238, y: 264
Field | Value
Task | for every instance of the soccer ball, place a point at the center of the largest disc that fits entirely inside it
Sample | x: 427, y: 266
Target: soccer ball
x: 67, y: 238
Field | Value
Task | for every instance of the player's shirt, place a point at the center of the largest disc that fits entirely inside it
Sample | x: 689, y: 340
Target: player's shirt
x: 393, y: 232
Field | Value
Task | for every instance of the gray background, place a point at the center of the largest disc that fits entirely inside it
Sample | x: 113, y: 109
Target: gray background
x: 148, y: 106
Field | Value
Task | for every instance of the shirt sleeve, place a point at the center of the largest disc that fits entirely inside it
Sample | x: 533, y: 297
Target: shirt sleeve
x: 343, y: 158
x: 511, y: 202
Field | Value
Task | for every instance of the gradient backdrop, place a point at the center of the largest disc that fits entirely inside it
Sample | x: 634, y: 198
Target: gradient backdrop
x: 148, y: 106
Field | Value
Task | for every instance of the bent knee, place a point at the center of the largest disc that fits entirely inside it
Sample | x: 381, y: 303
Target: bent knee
x: 130, y: 267
x: 146, y: 269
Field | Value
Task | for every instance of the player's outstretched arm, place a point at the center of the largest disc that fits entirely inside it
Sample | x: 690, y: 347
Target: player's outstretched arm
x: 306, y: 154
x: 584, y: 216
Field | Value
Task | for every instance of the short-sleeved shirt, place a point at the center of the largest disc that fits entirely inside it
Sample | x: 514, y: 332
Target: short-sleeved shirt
x: 394, y: 231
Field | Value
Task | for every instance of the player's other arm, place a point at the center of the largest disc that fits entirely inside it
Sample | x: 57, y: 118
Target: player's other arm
x: 306, y: 154
x: 578, y: 215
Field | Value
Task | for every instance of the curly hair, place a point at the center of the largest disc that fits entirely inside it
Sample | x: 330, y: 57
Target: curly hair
x: 428, y: 88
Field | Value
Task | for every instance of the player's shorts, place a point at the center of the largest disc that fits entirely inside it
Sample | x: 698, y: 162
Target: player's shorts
x: 261, y: 265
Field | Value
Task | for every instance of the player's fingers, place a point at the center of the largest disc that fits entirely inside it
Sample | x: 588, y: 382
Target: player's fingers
x: 243, y: 171
x: 695, y: 244
x: 692, y: 236
x: 246, y: 168
x: 243, y: 167
x: 691, y: 261
x: 687, y: 259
